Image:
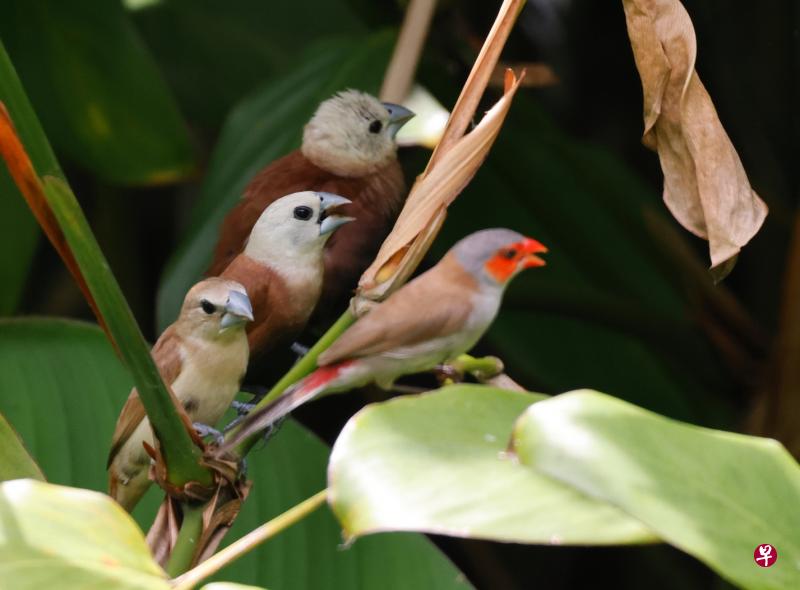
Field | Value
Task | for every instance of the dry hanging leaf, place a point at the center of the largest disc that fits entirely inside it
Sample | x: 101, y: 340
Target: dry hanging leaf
x: 430, y: 196
x: 705, y: 185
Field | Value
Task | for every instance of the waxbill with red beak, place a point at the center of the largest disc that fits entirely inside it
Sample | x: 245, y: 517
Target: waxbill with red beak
x: 282, y: 265
x: 202, y: 357
x: 433, y: 319
x: 348, y: 149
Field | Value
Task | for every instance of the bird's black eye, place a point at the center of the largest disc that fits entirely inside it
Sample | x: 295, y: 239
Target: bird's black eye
x: 207, y: 306
x: 303, y: 213
x: 509, y: 254
x: 375, y: 127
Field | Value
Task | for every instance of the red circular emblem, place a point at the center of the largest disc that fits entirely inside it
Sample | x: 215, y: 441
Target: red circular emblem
x: 765, y: 555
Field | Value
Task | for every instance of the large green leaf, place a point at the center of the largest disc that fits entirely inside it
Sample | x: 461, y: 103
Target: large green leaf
x: 716, y: 495
x: 62, y: 387
x: 437, y: 463
x: 19, y: 235
x: 58, y: 537
x: 266, y: 125
x: 15, y: 462
x: 213, y: 53
x: 96, y: 88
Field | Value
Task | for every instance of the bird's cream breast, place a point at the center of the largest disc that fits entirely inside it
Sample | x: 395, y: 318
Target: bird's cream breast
x: 210, y: 377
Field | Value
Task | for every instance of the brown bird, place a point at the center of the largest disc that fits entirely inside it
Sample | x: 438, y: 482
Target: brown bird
x: 282, y: 265
x: 433, y: 319
x: 348, y: 149
x: 202, y: 357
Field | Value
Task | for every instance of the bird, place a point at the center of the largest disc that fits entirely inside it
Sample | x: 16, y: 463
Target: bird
x: 202, y: 357
x: 348, y: 148
x: 433, y: 319
x: 282, y: 265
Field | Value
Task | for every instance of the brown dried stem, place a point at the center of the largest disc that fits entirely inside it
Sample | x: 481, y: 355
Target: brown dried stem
x: 400, y: 73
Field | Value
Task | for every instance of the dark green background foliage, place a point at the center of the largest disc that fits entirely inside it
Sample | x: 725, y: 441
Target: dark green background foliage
x: 161, y: 114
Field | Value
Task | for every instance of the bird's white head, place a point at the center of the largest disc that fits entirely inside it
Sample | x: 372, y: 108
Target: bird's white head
x: 290, y: 234
x: 215, y: 308
x: 495, y: 256
x: 352, y: 133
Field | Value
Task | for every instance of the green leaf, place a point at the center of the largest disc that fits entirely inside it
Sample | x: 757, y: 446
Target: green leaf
x: 15, y: 462
x: 437, y: 463
x: 97, y: 90
x: 68, y: 389
x: 66, y: 538
x: 265, y: 126
x: 716, y: 495
x: 19, y: 234
x: 198, y: 41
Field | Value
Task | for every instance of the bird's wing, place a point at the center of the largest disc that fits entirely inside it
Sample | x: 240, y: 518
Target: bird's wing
x: 429, y: 307
x: 167, y: 356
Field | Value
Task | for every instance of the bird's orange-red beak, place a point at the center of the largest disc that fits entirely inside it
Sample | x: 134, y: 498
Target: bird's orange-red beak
x: 530, y: 249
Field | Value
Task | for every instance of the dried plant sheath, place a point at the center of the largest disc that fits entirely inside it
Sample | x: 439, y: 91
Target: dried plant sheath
x: 705, y: 185
x: 430, y: 197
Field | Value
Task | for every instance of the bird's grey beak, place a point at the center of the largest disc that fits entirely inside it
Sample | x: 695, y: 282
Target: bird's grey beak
x: 330, y: 223
x: 330, y: 200
x: 398, y: 116
x: 238, y: 310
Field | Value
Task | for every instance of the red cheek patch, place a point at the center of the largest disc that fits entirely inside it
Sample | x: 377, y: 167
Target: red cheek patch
x: 500, y: 268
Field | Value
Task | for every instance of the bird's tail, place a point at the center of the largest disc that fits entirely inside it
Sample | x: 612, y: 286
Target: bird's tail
x: 304, y: 391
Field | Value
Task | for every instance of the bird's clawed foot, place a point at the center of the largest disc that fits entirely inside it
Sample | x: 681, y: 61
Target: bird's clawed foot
x: 205, y: 430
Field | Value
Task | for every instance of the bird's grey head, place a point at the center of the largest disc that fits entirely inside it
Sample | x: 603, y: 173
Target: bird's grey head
x: 352, y: 133
x: 294, y: 229
x: 215, y: 308
x: 495, y: 256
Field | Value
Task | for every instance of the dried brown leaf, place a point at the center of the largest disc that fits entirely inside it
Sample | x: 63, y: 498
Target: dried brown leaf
x: 429, y: 198
x: 705, y: 184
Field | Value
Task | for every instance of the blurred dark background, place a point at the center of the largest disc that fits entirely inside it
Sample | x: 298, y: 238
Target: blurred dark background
x: 625, y: 305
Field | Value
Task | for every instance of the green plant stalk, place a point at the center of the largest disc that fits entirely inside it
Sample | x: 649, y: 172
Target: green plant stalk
x: 191, y: 529
x: 300, y: 369
x: 180, y: 453
x: 247, y: 543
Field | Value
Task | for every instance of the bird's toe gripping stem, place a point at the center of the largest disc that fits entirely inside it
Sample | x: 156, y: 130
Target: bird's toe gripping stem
x: 205, y: 430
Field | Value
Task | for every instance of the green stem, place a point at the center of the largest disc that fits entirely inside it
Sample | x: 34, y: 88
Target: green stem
x: 247, y: 543
x: 191, y: 528
x: 180, y: 453
x: 300, y: 369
